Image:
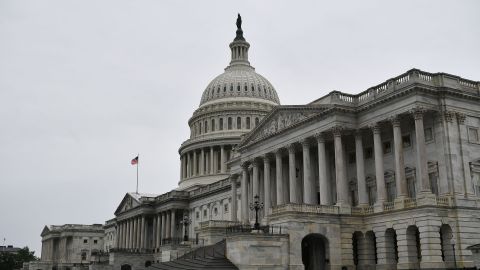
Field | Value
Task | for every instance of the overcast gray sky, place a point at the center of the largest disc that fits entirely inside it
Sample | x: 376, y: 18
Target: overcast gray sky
x: 86, y: 85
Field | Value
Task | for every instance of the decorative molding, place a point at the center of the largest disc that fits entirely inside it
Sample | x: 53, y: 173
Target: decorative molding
x: 418, y: 112
x: 337, y: 130
x: 395, y: 120
x: 291, y: 148
x: 375, y: 128
x: 447, y: 116
x: 461, y: 118
x: 320, y: 137
x: 281, y: 121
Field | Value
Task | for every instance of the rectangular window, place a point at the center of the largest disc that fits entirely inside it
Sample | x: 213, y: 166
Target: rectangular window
x: 205, y: 213
x: 85, y: 241
x: 368, y: 152
x: 411, y: 187
x: 197, y: 215
x: 226, y: 208
x: 221, y: 124
x: 213, y: 124
x: 239, y: 123
x: 387, y: 147
x: 406, y: 141
x: 248, y: 122
x: 229, y: 123
x: 95, y: 241
x: 428, y: 134
x: 473, y: 135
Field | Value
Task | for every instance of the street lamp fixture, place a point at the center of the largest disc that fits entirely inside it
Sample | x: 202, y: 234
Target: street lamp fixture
x: 256, y: 205
x: 186, y: 221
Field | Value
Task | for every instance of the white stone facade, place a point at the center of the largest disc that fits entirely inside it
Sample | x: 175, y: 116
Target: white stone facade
x: 385, y: 179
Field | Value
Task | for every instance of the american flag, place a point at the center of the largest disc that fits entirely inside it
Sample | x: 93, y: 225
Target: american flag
x: 134, y: 161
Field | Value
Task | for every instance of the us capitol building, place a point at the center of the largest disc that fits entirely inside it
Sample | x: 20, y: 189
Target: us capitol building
x: 388, y: 178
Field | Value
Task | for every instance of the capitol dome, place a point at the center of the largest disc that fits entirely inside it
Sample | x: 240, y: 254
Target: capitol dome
x: 232, y: 105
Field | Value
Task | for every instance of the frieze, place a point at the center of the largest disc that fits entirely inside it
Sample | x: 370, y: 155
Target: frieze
x: 282, y: 121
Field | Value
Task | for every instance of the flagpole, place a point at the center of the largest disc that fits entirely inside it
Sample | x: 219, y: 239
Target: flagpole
x: 138, y: 161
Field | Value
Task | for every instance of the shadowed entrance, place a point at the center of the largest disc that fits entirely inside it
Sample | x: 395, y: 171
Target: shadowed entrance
x: 314, y: 252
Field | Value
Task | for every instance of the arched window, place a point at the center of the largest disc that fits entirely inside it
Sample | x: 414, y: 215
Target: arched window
x: 213, y: 125
x: 245, y: 88
x: 238, y: 87
x: 231, y: 87
x: 229, y: 123
x: 220, y: 125
x: 199, y: 128
x: 248, y: 122
x: 225, y: 88
x: 256, y: 121
x: 239, y: 123
x: 206, y: 127
x: 218, y: 90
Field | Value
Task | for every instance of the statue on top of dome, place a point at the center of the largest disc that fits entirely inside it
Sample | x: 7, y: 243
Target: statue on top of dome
x: 239, y: 22
x: 239, y: 29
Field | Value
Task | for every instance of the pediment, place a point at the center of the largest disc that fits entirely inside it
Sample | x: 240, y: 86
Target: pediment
x: 281, y: 118
x: 45, y: 231
x: 128, y: 202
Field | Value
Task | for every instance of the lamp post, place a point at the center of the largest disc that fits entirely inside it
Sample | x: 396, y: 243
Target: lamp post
x: 186, y: 221
x: 256, y: 205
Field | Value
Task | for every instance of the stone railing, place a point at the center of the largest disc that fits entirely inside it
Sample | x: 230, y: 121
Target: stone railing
x: 365, y: 210
x: 174, y: 194
x: 388, y: 206
x: 402, y: 81
x: 211, y: 187
x: 410, y: 203
x: 218, y: 224
x: 305, y: 208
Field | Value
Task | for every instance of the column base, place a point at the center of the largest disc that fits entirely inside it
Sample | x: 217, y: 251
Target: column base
x: 378, y: 207
x: 426, y: 198
x: 344, y: 208
x: 400, y: 202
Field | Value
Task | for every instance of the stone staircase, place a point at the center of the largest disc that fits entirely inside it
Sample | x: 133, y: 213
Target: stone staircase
x: 208, y: 257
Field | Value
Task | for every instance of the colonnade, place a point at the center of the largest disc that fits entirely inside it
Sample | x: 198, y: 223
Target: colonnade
x: 146, y: 232
x: 205, y: 161
x: 288, y: 191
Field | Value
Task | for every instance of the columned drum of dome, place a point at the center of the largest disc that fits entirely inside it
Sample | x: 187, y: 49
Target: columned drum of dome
x: 233, y: 104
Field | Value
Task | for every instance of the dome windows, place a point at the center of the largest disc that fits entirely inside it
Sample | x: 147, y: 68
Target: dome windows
x: 230, y: 123
x: 248, y: 122
x: 213, y: 125
x: 206, y: 127
x: 239, y: 123
x: 220, y: 127
x: 256, y: 121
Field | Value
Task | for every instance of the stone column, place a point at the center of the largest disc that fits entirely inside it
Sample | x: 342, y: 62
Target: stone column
x: 244, y: 195
x: 266, y: 185
x: 233, y: 216
x: 189, y: 165
x: 130, y: 234
x: 309, y: 191
x: 463, y: 137
x: 422, y: 170
x: 341, y: 179
x: 279, y: 177
x: 122, y: 241
x: 181, y: 168
x: 223, y: 165
x: 135, y: 232
x: 379, y: 172
x: 255, y: 181
x: 292, y: 174
x: 154, y: 231
x: 202, y: 162
x: 325, y: 189
x: 164, y: 227
x: 400, y: 181
x: 158, y: 238
x: 212, y: 163
x: 172, y: 230
x: 117, y: 235
x: 430, y: 245
x: 142, y: 233
x: 195, y: 164
x: 360, y: 164
x: 168, y: 224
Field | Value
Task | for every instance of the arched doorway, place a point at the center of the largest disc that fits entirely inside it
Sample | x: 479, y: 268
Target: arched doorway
x: 126, y: 267
x: 391, y: 247
x: 446, y: 241
x: 315, y: 252
x: 413, y: 246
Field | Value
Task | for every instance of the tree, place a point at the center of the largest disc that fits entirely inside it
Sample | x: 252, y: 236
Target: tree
x: 9, y: 260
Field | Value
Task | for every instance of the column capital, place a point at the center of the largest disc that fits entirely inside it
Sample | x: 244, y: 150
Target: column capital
x: 461, y: 118
x: 305, y: 143
x: 278, y: 152
x: 266, y: 158
x: 337, y: 131
x: 447, y: 116
x: 319, y: 137
x: 245, y: 165
x: 291, y: 148
x: 375, y: 128
x: 255, y: 162
x: 358, y: 133
x: 418, y: 112
x: 395, y: 120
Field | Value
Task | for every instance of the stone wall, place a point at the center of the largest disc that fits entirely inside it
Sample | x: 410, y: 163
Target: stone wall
x: 254, y: 251
x: 135, y: 260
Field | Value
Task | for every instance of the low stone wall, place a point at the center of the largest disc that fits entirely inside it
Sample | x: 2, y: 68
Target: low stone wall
x: 135, y: 260
x: 252, y: 251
